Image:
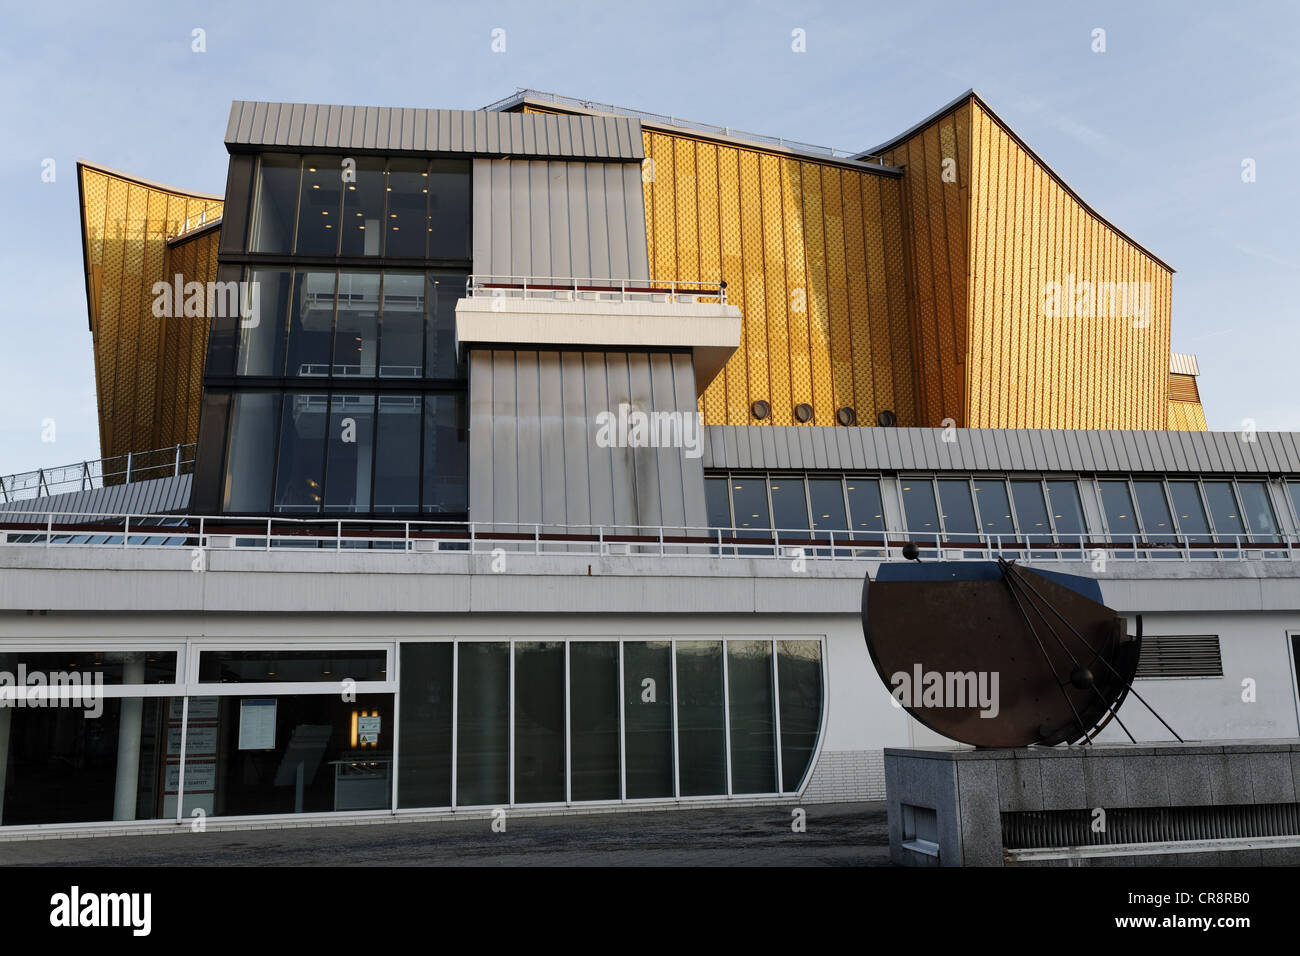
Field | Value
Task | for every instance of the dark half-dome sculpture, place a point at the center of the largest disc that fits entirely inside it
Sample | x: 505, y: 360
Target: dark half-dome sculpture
x: 998, y: 655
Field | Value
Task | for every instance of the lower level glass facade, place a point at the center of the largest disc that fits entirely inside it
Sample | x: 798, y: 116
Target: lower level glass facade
x: 189, y: 730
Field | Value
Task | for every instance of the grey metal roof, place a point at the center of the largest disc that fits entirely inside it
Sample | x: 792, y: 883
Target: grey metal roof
x: 803, y: 447
x: 394, y: 129
x: 156, y: 496
x: 1183, y: 363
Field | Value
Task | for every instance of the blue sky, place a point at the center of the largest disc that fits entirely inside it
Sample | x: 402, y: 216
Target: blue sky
x: 1152, y: 132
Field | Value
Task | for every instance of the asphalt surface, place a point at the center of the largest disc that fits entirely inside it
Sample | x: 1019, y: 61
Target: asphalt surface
x: 839, y: 834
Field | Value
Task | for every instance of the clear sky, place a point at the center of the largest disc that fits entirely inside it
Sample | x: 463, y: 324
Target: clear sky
x: 1152, y: 132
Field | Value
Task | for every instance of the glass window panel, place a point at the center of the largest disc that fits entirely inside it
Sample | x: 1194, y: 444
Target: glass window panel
x: 799, y: 672
x: 363, y: 210
x: 717, y: 503
x: 994, y: 506
x: 1188, y: 511
x: 701, y: 739
x: 1258, y: 510
x: 79, y: 764
x: 1157, y: 522
x: 1067, y: 510
x: 269, y: 667
x: 749, y: 495
x: 261, y: 335
x: 307, y: 753
x: 318, y: 209
x: 401, y: 341
x: 1293, y: 487
x: 356, y: 332
x: 1223, y: 508
x: 958, y: 509
x: 276, y: 203
x: 753, y: 730
x: 1031, y: 513
x: 789, y: 504
x: 350, y: 455
x: 539, y: 722
x: 648, y: 718
x: 483, y: 724
x: 250, y: 454
x: 920, y: 517
x: 827, y: 498
x: 311, y: 323
x: 446, y: 455
x: 449, y: 204
x: 407, y: 218
x: 108, y: 667
x: 300, y: 465
x: 866, y: 511
x: 593, y: 720
x: 441, y: 294
x: 397, y: 454
x: 424, y: 778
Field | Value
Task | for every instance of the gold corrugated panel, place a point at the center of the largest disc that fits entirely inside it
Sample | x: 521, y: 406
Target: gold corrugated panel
x: 775, y: 306
x: 1026, y: 370
x: 812, y: 253
x: 1182, y: 388
x: 1187, y: 416
x: 936, y: 160
x: 147, y: 390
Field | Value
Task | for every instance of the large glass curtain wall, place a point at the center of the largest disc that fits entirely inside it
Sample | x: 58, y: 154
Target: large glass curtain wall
x: 345, y: 453
x: 176, y: 731
x: 488, y: 723
x: 333, y: 205
x: 321, y: 323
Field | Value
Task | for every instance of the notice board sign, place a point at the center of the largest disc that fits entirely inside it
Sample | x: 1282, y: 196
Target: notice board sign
x: 257, y: 723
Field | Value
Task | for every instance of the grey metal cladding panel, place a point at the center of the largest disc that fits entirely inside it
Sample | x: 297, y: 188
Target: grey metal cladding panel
x: 528, y: 470
x: 502, y: 212
x: 557, y: 197
x: 520, y: 262
x: 573, y: 400
x: 622, y: 461
x: 767, y: 447
x: 638, y: 253
x: 802, y: 439
x: 616, y: 213
x: 480, y: 435
x: 505, y: 452
x: 282, y: 124
x: 332, y: 127
x: 752, y: 450
x: 695, y: 512
x: 601, y: 141
x: 234, y: 121
x: 300, y: 120
x: 598, y: 225
x: 575, y: 195
x: 645, y: 461
x: 539, y: 231
x: 731, y: 447
x: 781, y: 449
x: 601, y: 463
x: 821, y: 457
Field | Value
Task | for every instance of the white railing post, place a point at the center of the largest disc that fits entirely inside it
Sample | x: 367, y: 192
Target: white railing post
x: 126, y: 530
x: 268, y: 534
x: 176, y: 468
x: 128, y: 466
x: 338, y: 535
x: 537, y: 539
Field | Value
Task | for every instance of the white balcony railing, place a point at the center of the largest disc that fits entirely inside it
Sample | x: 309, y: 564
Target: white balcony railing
x: 47, y: 529
x: 572, y: 289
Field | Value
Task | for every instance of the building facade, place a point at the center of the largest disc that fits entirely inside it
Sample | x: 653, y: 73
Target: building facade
x: 539, y: 453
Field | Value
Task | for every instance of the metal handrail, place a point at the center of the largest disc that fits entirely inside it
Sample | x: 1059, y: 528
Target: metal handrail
x: 97, y: 472
x: 669, y: 290
x: 223, y: 532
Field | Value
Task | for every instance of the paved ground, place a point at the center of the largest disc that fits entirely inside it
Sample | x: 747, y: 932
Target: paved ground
x: 839, y: 834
